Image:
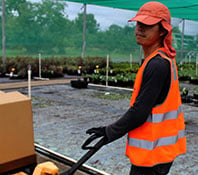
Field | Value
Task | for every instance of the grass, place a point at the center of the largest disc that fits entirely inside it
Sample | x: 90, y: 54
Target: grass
x: 112, y: 96
x: 115, y: 56
x: 41, y: 102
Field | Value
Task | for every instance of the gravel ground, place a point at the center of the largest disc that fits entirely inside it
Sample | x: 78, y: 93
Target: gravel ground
x: 62, y: 114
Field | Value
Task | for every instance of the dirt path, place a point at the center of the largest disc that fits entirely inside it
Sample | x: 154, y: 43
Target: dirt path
x: 14, y: 85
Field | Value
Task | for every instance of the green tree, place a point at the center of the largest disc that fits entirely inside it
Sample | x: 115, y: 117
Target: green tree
x: 13, y: 7
x: 92, y: 26
x: 76, y: 34
x: 128, y: 42
x: 19, y: 22
x: 119, y: 39
x: 53, y: 26
x: 37, y: 27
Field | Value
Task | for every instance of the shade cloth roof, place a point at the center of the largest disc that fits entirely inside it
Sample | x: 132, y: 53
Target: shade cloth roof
x: 185, y: 9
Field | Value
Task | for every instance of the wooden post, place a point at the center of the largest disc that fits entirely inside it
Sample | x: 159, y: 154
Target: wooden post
x: 107, y: 70
x: 29, y: 81
x: 131, y: 60
x: 39, y: 65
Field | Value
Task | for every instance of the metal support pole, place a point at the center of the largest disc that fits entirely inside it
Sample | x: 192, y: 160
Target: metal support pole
x: 196, y: 64
x: 182, y: 41
x: 189, y: 59
x: 131, y: 60
x: 39, y: 65
x: 3, y: 33
x: 84, y: 31
x: 107, y: 70
x: 29, y: 81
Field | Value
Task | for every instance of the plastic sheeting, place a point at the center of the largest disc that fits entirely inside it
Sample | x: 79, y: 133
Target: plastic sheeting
x: 185, y: 9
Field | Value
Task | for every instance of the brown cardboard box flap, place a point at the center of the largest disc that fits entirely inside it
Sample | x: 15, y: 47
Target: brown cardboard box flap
x: 12, y: 97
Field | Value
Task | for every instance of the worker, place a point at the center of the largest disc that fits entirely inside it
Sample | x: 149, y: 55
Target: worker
x: 154, y: 122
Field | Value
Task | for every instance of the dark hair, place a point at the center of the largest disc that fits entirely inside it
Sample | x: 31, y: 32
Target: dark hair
x: 163, y: 30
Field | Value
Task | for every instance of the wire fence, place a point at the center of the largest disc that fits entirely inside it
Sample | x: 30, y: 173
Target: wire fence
x: 55, y: 29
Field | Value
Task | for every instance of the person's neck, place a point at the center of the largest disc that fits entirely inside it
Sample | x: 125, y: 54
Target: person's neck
x: 149, y: 50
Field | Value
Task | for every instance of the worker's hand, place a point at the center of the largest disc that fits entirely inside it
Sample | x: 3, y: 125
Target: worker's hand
x: 95, y: 133
x: 100, y: 131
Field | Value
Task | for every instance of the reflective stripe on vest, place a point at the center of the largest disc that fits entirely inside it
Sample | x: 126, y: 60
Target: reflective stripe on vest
x: 157, y: 118
x: 150, y: 145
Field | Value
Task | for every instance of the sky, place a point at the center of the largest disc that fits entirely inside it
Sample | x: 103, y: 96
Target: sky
x: 107, y: 16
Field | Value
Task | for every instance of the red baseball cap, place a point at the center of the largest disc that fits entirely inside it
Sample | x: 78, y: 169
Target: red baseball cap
x: 152, y: 13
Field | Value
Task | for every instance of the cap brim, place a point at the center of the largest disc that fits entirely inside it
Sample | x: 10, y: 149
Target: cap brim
x: 148, y: 20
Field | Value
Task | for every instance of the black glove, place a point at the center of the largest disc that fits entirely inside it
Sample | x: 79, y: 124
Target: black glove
x: 95, y: 133
x: 100, y: 131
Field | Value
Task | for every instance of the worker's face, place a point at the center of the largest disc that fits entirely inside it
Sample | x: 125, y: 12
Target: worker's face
x: 147, y: 35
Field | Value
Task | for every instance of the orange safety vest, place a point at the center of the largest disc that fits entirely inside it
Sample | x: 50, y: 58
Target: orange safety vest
x: 161, y: 138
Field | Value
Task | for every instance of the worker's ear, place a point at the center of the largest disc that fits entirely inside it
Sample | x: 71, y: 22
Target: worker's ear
x: 163, y: 32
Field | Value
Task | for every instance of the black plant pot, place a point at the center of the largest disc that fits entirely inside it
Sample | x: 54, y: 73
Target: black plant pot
x: 194, y: 80
x: 187, y: 98
x: 79, y: 84
x: 195, y: 95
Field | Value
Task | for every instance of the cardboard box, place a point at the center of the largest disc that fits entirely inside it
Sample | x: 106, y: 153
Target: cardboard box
x: 16, y: 132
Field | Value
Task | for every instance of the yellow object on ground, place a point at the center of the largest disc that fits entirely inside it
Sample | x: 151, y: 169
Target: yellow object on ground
x: 48, y: 168
x: 20, y: 173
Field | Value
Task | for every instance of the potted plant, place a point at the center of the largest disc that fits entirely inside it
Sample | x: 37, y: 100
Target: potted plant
x: 195, y: 93
x: 194, y: 79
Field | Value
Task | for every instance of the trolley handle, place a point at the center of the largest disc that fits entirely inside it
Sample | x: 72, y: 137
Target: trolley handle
x: 92, y: 151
